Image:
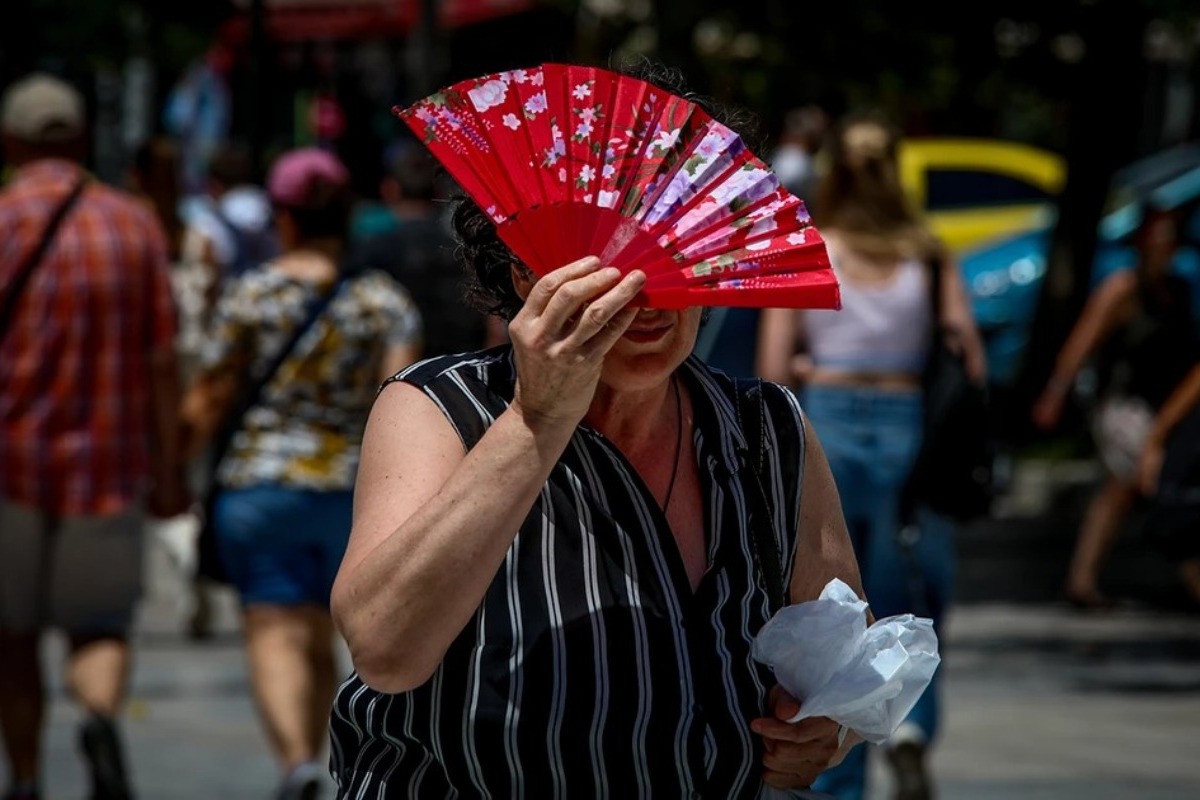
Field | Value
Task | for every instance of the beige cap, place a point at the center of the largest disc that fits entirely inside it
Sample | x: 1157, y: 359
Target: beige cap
x: 42, y: 109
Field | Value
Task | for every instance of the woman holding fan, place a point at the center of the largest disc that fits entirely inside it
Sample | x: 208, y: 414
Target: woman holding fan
x: 554, y: 576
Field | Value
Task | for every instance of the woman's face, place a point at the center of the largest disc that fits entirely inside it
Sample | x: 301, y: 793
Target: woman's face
x: 655, y: 344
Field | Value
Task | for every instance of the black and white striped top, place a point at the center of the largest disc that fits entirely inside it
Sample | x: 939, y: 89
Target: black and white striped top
x: 591, y: 669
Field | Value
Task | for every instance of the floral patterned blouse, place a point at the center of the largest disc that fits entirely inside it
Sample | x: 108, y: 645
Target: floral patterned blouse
x: 306, y: 430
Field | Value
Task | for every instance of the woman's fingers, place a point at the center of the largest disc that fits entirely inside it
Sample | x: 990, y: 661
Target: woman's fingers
x: 548, y: 285
x: 595, y: 321
x: 572, y: 296
x: 603, y: 341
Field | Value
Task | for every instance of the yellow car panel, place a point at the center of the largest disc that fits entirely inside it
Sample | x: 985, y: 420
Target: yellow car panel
x: 967, y: 228
x: 972, y: 224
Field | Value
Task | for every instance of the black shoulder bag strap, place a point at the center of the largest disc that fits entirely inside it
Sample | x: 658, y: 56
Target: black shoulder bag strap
x: 254, y: 391
x: 25, y: 270
x: 751, y: 412
x: 210, y: 565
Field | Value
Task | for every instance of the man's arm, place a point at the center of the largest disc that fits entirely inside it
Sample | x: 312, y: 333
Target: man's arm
x: 168, y: 493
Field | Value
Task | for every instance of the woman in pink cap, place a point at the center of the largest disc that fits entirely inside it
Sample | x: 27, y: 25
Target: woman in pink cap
x: 288, y: 374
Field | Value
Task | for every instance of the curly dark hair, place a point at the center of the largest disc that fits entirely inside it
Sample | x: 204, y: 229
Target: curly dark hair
x: 487, y: 261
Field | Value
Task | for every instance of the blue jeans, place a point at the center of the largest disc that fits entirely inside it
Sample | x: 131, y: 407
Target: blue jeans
x: 282, y: 546
x: 871, y: 439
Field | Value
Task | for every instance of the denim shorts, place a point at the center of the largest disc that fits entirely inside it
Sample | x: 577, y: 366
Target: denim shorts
x: 282, y: 546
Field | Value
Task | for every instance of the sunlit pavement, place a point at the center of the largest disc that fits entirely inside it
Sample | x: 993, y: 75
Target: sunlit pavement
x: 1040, y: 702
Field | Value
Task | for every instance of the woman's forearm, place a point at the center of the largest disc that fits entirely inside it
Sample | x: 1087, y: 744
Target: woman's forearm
x: 1099, y: 317
x: 1178, y: 405
x: 406, y: 600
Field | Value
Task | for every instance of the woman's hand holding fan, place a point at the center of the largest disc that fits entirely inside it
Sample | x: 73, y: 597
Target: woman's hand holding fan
x: 575, y: 161
x: 573, y: 317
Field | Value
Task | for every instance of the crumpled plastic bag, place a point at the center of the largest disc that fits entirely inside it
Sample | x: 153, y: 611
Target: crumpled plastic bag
x: 824, y: 655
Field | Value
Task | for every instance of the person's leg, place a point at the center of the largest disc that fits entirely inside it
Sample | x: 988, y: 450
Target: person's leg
x: 279, y: 645
x: 835, y: 417
x: 333, y: 513
x: 269, y: 539
x: 931, y: 549
x: 95, y: 607
x: 24, y: 563
x: 98, y: 676
x: 22, y: 706
x: 908, y: 570
x: 1101, y: 523
x: 323, y: 663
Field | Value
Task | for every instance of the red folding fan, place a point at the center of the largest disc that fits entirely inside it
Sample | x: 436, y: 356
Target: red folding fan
x: 574, y: 161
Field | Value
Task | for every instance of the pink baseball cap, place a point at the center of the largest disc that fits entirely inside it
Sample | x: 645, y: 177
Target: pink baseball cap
x: 294, y: 173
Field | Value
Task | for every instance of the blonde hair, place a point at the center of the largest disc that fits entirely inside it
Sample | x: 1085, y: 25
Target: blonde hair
x: 861, y: 197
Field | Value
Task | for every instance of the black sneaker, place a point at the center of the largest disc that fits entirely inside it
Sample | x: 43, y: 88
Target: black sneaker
x: 101, y: 746
x: 908, y: 767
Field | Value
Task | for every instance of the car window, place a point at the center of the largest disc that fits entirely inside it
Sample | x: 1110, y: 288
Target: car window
x: 967, y: 188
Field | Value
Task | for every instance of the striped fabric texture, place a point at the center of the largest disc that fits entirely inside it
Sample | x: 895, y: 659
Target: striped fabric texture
x: 591, y: 669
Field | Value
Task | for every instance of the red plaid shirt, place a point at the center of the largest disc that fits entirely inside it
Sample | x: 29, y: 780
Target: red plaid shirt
x: 75, y: 363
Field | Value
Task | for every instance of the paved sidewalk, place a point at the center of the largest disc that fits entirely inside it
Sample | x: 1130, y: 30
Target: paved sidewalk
x: 1045, y: 704
x: 1040, y: 704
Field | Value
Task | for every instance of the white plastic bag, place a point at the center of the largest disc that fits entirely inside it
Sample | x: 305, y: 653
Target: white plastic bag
x: 824, y: 655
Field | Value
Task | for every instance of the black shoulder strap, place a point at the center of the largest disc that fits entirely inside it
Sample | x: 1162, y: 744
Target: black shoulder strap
x: 25, y: 270
x: 253, y: 392
x: 751, y: 412
x: 937, y: 262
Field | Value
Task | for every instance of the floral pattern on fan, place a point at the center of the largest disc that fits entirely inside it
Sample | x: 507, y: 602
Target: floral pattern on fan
x: 569, y: 161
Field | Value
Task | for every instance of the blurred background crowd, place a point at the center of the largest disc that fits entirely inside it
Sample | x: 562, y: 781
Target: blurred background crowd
x: 1053, y: 149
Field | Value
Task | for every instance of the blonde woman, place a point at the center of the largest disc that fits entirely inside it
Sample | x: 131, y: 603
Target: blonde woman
x: 859, y: 370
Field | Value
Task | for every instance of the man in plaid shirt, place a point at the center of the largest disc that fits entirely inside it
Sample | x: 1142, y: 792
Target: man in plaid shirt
x: 89, y: 434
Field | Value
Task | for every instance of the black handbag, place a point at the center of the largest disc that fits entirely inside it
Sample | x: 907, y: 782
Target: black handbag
x: 952, y: 475
x: 208, y: 556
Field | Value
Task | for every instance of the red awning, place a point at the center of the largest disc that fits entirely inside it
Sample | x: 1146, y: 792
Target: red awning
x: 298, y: 20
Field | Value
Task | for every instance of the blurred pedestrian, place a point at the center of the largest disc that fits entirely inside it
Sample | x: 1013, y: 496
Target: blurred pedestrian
x: 416, y: 247
x: 1139, y: 324
x: 89, y: 398
x: 282, y: 516
x: 794, y: 160
x: 860, y: 372
x: 1169, y: 474
x: 228, y: 228
x: 154, y: 178
x: 228, y: 231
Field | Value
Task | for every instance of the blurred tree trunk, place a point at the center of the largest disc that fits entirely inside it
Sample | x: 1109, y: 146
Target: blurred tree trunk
x: 1106, y: 98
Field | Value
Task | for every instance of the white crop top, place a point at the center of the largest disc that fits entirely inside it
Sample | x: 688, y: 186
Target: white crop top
x: 884, y: 327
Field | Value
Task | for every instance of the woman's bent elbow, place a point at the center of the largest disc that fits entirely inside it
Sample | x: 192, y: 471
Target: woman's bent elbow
x: 378, y: 662
x: 389, y: 675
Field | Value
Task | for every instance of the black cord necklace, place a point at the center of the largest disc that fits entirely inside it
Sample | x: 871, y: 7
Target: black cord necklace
x: 678, y: 442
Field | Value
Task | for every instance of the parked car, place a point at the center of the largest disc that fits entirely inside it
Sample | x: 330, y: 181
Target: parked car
x: 994, y: 204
